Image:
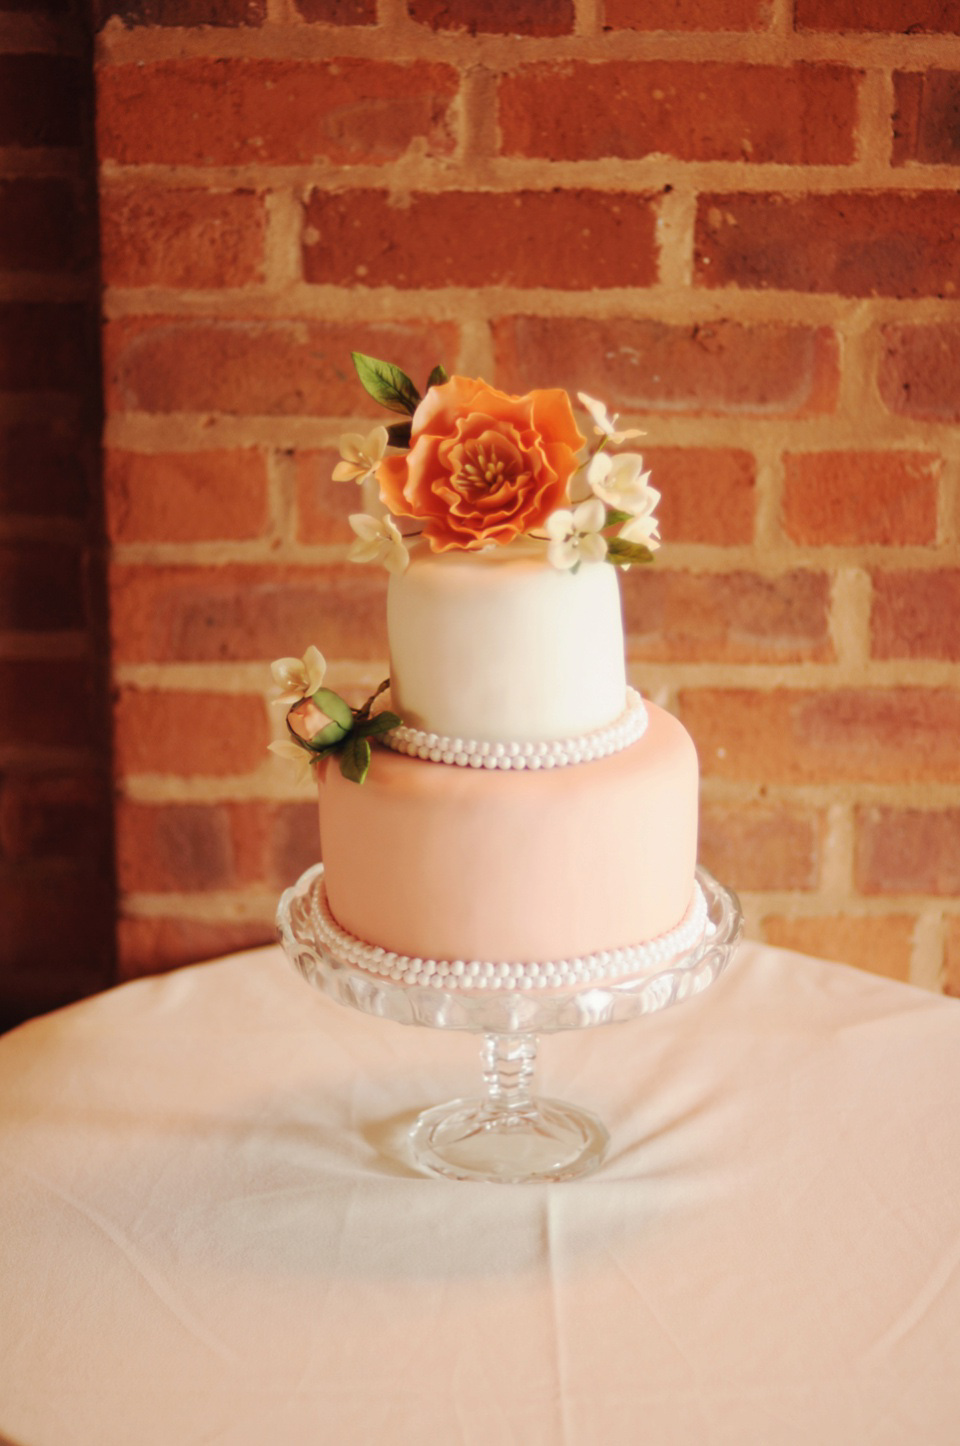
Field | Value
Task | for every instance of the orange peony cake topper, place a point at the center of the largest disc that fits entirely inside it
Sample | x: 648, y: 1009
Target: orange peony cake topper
x: 484, y: 469
x: 472, y: 469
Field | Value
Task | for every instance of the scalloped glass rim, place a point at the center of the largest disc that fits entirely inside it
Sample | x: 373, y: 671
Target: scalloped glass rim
x: 515, y: 1012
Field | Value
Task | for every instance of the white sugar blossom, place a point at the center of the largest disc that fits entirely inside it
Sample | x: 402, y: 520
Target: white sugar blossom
x: 603, y: 424
x: 378, y: 540
x: 577, y: 536
x: 293, y: 753
x: 361, y: 455
x: 299, y: 677
x: 621, y: 483
x: 643, y: 527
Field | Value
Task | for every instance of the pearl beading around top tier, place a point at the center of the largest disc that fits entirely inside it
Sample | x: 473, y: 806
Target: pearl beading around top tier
x: 607, y: 964
x: 472, y: 753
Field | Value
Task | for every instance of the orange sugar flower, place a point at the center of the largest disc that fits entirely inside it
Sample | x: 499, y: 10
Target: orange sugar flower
x: 483, y: 467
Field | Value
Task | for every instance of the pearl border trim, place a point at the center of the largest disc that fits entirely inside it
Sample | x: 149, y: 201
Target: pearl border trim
x: 605, y: 965
x: 473, y: 753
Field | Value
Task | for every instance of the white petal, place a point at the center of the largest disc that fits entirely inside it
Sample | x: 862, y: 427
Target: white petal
x: 347, y: 472
x: 375, y: 444
x: 294, y: 754
x: 364, y: 550
x: 368, y: 528
x: 315, y: 666
x: 285, y: 748
x: 352, y: 447
x: 287, y: 672
x: 590, y: 516
x: 593, y: 548
x: 600, y: 467
x: 560, y: 525
x: 396, y: 558
x: 641, y: 529
x: 563, y: 553
x: 599, y: 413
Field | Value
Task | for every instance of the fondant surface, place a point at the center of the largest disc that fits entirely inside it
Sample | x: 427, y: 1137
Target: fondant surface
x: 500, y: 646
x: 452, y: 863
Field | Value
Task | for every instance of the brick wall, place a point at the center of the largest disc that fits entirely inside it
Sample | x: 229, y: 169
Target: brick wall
x: 736, y: 221
x: 56, y: 873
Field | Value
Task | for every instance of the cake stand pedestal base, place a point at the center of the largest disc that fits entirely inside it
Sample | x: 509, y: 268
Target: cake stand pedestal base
x: 508, y: 1136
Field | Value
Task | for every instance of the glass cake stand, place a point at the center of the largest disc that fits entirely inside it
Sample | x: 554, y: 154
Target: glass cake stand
x: 508, y: 1134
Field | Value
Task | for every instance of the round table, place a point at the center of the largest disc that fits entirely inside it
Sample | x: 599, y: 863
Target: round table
x: 210, y: 1230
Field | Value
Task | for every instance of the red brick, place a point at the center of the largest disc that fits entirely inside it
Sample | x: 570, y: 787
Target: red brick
x: 916, y: 614
x: 42, y: 227
x: 268, y: 368
x: 734, y: 617
x: 323, y: 505
x: 45, y: 470
x: 186, y: 734
x: 240, y: 612
x: 207, y: 112
x: 879, y: 945
x: 890, y: 243
x: 43, y: 346
x: 721, y: 367
x: 495, y: 17
x: 338, y: 12
x: 581, y: 111
x: 163, y: 848
x: 706, y: 495
x: 908, y: 851
x: 761, y: 846
x: 48, y: 705
x: 186, y: 496
x: 40, y: 587
x: 152, y: 945
x: 474, y: 238
x: 183, y: 238
x: 874, y: 735
x: 853, y: 498
x: 926, y: 118
x: 61, y: 815
x: 919, y: 372
x: 951, y: 981
x: 899, y: 17
x: 40, y: 100
x: 686, y: 15
x: 197, y: 847
x: 274, y: 842
x: 229, y: 13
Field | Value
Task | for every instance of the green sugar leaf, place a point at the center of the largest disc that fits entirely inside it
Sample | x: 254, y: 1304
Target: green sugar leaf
x: 387, y: 384
x: 399, y: 434
x: 438, y: 376
x: 355, y: 758
x: 380, y: 723
x: 615, y: 515
x: 626, y: 553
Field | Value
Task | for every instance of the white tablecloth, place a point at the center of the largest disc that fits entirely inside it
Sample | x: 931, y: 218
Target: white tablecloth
x: 209, y: 1233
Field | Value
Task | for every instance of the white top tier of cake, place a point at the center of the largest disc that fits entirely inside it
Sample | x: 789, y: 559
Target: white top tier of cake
x: 500, y: 646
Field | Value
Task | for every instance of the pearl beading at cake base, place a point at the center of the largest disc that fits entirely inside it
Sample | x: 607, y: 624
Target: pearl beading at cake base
x: 473, y: 753
x: 606, y: 964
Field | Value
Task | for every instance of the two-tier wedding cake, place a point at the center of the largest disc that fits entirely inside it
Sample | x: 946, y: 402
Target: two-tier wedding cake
x: 511, y: 815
